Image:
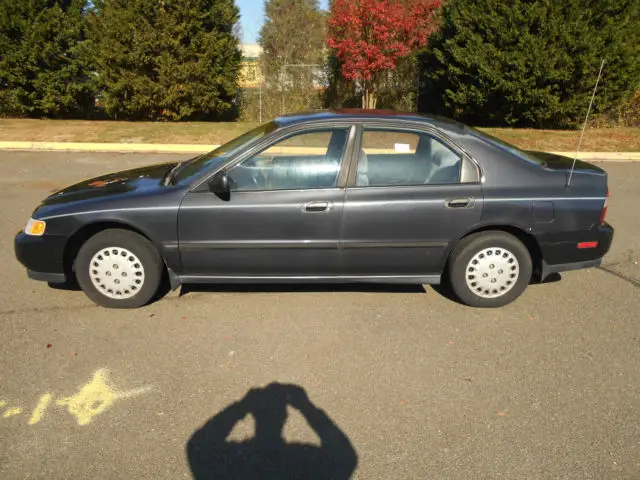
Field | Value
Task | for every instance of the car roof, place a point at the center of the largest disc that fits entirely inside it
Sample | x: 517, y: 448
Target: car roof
x: 356, y: 114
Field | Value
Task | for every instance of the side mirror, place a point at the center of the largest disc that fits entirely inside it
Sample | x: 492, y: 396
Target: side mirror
x: 219, y: 184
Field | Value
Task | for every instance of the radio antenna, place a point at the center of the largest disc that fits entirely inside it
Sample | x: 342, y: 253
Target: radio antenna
x: 585, y: 124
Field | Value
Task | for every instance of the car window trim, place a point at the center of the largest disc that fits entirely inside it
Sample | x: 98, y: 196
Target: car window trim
x: 276, y: 137
x: 409, y: 126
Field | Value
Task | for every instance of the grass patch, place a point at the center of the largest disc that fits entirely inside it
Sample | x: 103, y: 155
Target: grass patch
x: 120, y: 132
x: 209, y: 133
x: 595, y: 139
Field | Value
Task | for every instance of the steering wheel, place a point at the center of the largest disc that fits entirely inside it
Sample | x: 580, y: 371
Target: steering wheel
x: 254, y: 180
x: 260, y: 171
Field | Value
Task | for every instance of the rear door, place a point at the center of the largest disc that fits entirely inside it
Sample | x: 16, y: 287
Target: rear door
x: 411, y: 194
x: 282, y: 217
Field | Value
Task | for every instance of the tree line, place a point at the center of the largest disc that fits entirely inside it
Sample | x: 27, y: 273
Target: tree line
x: 485, y: 62
x: 130, y: 59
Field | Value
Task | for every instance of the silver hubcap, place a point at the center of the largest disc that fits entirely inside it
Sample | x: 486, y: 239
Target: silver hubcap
x: 492, y: 272
x: 116, y: 272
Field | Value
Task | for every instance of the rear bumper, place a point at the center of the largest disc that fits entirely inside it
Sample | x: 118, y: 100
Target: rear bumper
x: 566, y: 267
x: 42, y: 256
x: 565, y: 255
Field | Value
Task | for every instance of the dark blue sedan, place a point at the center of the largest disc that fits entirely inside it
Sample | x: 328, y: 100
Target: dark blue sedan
x: 349, y: 196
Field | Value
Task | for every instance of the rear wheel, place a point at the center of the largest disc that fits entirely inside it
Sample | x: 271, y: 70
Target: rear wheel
x: 119, y: 269
x: 489, y: 269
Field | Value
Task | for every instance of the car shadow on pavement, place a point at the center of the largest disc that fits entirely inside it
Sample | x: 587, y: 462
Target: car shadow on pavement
x: 71, y: 285
x: 445, y: 290
x: 552, y: 278
x: 301, y: 288
x: 267, y: 455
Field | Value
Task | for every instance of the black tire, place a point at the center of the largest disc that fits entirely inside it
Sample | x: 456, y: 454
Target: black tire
x: 468, y: 249
x: 148, y: 262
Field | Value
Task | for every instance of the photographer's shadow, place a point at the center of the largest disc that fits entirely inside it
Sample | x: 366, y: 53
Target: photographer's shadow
x: 267, y: 454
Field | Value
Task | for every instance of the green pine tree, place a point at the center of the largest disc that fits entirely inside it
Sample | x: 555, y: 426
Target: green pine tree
x: 166, y: 59
x: 531, y: 62
x: 43, y: 64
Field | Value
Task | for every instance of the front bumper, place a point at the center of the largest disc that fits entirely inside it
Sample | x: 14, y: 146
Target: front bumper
x: 47, y: 277
x: 565, y: 256
x: 43, y: 256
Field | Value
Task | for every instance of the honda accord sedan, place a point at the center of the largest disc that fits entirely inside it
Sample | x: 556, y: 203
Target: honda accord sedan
x: 345, y: 196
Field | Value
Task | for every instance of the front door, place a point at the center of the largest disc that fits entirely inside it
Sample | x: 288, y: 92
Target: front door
x: 282, y: 217
x: 411, y: 197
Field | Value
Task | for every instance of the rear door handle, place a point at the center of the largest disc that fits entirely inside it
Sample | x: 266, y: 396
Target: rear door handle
x: 460, y: 203
x: 317, y: 206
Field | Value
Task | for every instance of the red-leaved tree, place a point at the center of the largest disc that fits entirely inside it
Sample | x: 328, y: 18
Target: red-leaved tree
x: 369, y: 36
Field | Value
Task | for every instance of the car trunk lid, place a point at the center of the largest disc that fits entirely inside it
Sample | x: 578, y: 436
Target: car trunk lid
x: 553, y: 161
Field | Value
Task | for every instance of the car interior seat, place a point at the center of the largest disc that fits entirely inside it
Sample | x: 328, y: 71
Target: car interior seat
x: 362, y: 178
x: 445, y: 165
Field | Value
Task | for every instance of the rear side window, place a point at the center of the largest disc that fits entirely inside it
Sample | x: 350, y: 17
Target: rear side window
x: 400, y: 157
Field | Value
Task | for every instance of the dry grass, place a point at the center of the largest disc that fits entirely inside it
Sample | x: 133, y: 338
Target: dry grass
x: 120, y: 132
x: 596, y: 139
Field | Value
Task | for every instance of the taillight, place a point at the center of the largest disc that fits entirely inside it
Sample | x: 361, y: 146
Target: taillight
x: 604, y: 207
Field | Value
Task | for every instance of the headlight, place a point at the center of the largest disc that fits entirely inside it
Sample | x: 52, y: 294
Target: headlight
x: 35, y: 227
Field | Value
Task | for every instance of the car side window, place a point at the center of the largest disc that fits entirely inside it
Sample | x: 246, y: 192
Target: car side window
x: 405, y: 157
x: 305, y: 160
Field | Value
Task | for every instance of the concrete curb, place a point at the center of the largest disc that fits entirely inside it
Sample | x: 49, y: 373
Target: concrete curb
x: 195, y: 149
x: 603, y: 156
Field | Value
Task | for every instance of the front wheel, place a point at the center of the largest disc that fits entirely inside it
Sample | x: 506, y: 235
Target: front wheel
x: 489, y: 269
x: 119, y: 269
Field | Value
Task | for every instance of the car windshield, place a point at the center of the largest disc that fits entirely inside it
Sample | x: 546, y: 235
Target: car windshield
x: 496, y: 142
x: 196, y: 166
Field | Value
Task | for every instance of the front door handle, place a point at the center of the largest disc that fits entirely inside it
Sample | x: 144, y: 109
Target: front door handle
x: 460, y: 203
x: 316, y: 206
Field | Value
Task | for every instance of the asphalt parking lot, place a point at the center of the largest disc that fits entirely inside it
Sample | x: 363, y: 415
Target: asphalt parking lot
x: 383, y: 382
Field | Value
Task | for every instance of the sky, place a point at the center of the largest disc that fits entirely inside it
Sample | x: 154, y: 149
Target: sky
x: 252, y: 18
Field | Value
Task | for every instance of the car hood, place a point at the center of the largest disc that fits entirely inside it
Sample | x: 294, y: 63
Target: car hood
x: 124, y: 183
